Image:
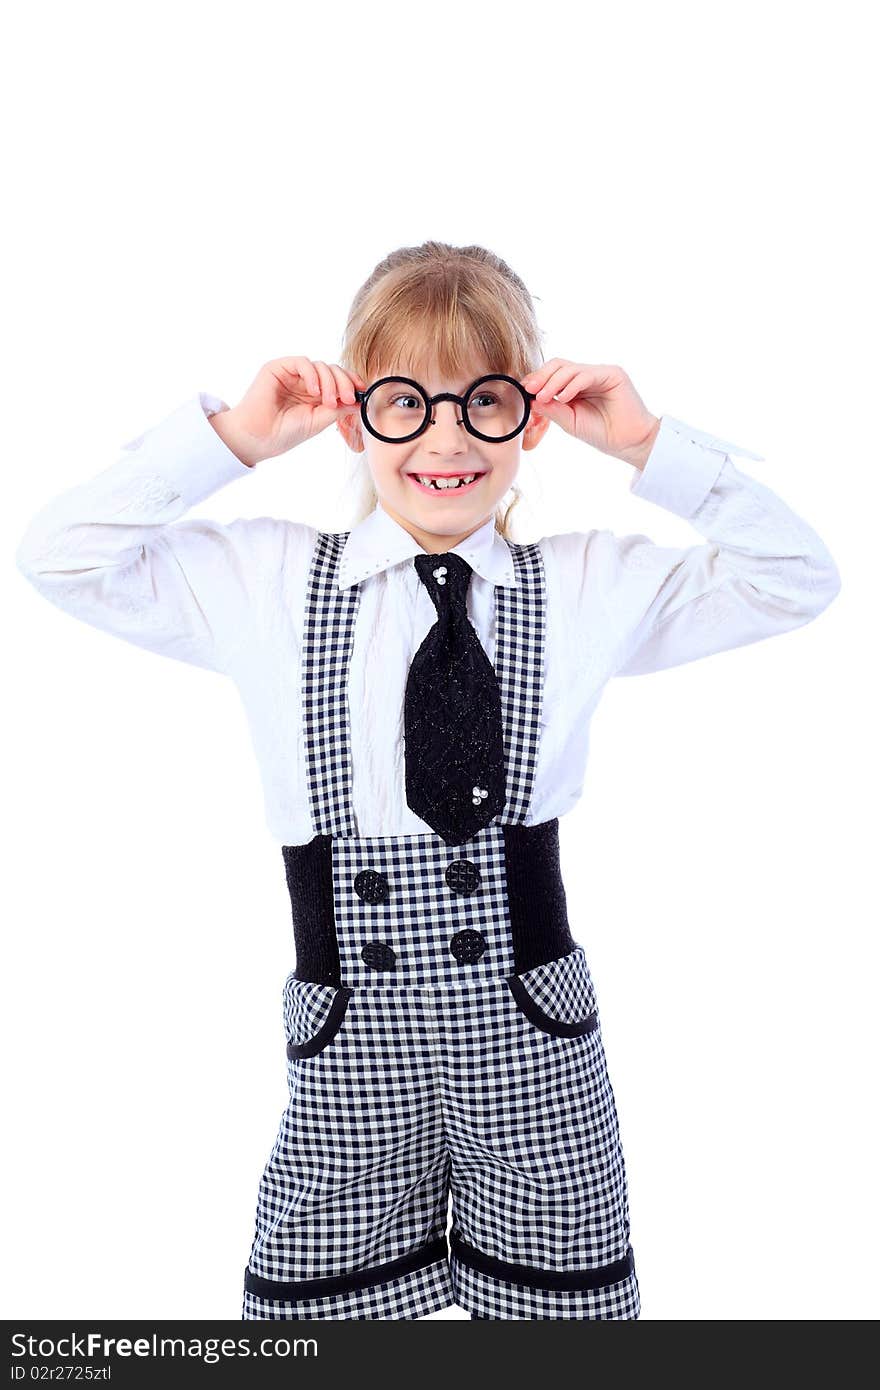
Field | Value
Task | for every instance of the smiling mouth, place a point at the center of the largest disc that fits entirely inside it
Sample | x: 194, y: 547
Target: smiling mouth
x: 446, y: 482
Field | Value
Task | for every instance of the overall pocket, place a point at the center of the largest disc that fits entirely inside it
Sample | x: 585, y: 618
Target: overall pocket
x: 558, y: 997
x: 313, y: 1015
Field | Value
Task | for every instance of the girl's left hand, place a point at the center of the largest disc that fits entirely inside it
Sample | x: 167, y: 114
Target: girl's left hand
x: 597, y: 404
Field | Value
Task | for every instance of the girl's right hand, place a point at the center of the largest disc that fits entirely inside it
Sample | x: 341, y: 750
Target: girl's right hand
x: 289, y: 400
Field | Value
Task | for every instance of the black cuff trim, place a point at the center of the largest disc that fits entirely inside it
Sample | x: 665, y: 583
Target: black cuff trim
x: 535, y: 1014
x: 344, y: 1283
x: 330, y: 1026
x: 542, y: 1278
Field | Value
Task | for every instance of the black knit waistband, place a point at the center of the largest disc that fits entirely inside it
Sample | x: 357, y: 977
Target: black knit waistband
x: 536, y: 900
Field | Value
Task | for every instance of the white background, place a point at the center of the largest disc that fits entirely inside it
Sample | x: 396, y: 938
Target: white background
x: 686, y: 190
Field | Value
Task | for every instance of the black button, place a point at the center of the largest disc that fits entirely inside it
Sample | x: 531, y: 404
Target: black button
x: 379, y: 955
x: 467, y: 946
x: 462, y: 876
x: 371, y: 886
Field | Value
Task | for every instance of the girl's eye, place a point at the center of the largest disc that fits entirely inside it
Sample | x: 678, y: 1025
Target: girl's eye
x: 415, y: 401
x: 485, y: 397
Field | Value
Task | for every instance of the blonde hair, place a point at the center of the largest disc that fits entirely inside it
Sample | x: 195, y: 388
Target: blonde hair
x: 437, y: 305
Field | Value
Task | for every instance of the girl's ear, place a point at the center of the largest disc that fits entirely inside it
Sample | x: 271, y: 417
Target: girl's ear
x: 349, y: 427
x: 536, y: 428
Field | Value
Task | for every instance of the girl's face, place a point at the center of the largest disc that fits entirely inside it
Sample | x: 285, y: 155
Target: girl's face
x: 438, y: 520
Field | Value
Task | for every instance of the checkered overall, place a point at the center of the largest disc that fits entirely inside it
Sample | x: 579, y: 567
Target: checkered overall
x: 442, y: 1036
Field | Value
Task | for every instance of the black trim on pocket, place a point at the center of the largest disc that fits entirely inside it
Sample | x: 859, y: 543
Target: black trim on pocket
x: 328, y: 1028
x: 535, y: 1014
x: 345, y: 1283
x: 543, y: 1278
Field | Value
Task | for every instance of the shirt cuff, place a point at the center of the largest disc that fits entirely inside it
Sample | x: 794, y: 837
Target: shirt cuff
x: 683, y: 466
x: 188, y: 452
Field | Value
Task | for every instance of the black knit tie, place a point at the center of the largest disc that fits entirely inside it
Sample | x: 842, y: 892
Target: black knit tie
x: 454, y: 746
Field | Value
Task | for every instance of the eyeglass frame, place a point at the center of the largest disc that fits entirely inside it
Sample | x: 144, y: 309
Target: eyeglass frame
x: 431, y: 401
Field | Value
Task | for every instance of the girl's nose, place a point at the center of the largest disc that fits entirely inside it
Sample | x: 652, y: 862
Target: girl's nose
x: 445, y: 419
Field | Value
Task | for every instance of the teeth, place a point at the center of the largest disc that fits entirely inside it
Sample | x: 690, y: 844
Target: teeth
x: 444, y: 484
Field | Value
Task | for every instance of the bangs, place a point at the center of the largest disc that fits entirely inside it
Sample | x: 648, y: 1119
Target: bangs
x: 426, y: 325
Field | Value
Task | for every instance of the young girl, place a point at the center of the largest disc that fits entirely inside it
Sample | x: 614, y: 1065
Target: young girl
x: 419, y: 690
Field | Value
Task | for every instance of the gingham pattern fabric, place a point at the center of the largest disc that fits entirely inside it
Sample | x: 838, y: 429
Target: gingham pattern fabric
x: 414, y: 1296
x: 328, y: 633
x: 562, y: 988
x: 519, y: 665
x: 442, y: 1075
x: 420, y: 1092
x: 475, y: 1290
x: 330, y: 615
x: 421, y: 913
x: 306, y: 1006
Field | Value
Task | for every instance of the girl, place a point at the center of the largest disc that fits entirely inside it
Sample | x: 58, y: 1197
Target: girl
x: 419, y: 690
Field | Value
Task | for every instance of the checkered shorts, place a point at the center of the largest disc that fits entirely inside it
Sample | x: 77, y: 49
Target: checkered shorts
x: 491, y: 1087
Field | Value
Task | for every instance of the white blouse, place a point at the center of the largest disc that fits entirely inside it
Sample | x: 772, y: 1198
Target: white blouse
x: 114, y: 552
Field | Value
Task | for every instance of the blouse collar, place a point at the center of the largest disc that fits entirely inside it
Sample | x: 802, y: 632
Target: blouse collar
x: 378, y: 541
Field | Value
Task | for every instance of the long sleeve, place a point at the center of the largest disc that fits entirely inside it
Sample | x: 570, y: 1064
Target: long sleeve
x: 113, y: 552
x: 762, y: 570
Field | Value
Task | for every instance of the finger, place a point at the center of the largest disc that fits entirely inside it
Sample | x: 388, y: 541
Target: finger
x: 580, y: 383
x: 587, y: 379
x: 344, y: 389
x: 552, y: 409
x: 328, y: 385
x: 352, y: 380
x: 303, y: 368
x: 601, y: 377
x: 358, y: 380
x: 556, y: 381
x: 535, y: 380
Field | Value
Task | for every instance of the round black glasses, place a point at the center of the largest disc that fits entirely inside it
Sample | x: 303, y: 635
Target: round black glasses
x: 396, y: 409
